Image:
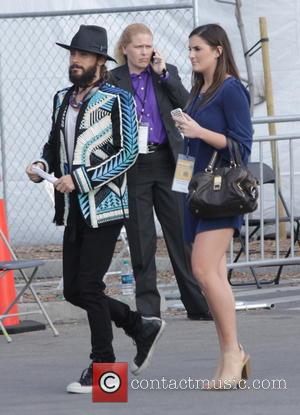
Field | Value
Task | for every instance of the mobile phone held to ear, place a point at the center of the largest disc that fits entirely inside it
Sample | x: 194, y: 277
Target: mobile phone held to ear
x: 152, y: 57
x: 177, y: 112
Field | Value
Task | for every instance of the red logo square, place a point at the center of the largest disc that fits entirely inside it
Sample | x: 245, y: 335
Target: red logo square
x: 110, y: 382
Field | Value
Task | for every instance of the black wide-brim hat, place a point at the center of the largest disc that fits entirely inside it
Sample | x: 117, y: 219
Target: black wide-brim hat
x: 91, y: 39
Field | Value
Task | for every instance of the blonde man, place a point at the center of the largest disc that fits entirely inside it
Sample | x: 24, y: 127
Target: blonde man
x: 157, y: 89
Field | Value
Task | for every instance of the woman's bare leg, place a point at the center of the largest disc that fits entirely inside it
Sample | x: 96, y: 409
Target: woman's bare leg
x: 209, y: 268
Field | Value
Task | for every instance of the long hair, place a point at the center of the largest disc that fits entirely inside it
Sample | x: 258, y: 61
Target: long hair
x: 126, y: 38
x: 104, y: 73
x: 214, y: 35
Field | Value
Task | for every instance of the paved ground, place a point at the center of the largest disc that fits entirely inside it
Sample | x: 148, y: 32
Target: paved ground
x: 36, y: 367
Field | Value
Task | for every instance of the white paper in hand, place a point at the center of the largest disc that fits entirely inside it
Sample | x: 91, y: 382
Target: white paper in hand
x: 43, y: 174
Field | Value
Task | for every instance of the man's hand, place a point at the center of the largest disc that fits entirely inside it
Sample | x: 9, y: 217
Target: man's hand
x: 158, y: 64
x: 33, y: 176
x: 64, y: 184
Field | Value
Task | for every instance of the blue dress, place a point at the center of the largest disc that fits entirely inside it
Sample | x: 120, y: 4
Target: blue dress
x: 226, y: 113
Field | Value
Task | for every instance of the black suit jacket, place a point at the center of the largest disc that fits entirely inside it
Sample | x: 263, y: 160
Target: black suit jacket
x: 170, y: 94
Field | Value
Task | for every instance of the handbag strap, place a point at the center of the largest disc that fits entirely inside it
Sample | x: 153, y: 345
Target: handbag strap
x: 234, y: 152
x: 212, y: 162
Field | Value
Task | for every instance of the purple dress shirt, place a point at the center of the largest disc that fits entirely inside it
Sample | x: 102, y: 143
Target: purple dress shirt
x: 146, y: 106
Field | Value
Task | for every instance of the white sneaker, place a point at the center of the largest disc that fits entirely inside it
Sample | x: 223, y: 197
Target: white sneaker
x: 85, y: 383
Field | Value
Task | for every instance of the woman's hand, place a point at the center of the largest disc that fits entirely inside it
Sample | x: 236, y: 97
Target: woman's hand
x: 187, y: 126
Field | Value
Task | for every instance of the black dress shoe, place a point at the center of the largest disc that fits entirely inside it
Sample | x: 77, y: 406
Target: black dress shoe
x: 204, y: 317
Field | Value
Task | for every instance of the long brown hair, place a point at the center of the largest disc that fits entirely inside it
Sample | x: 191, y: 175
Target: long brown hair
x: 214, y: 35
x: 126, y: 38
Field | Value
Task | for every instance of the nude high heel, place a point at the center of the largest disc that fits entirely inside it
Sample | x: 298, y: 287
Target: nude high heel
x: 234, y: 373
x: 246, y: 368
x: 209, y: 385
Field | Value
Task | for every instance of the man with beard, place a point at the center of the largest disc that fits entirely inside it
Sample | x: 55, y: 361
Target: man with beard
x: 92, y: 143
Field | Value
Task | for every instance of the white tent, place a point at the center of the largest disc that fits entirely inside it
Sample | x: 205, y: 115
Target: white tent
x: 283, y: 23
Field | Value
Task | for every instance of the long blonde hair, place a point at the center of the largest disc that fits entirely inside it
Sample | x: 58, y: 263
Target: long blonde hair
x: 126, y: 38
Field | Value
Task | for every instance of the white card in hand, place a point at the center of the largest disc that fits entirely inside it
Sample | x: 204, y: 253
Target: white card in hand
x: 43, y: 174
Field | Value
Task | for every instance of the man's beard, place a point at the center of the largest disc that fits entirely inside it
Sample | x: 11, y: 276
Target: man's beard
x: 85, y: 79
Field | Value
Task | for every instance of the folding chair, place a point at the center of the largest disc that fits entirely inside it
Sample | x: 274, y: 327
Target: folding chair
x: 20, y: 265
x: 269, y: 177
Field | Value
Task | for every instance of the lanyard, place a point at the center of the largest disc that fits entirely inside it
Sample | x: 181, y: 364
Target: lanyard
x: 191, y: 113
x: 142, y: 100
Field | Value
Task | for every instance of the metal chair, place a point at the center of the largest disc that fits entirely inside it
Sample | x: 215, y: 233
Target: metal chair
x: 21, y: 265
x: 269, y: 177
x: 6, y: 266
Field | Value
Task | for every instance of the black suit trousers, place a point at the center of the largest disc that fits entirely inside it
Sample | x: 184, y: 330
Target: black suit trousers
x: 149, y: 186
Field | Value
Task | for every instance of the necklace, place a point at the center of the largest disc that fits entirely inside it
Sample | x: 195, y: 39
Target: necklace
x: 73, y: 102
x: 72, y: 99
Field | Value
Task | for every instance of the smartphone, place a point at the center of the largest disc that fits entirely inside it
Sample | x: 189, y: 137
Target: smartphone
x: 177, y: 112
x: 152, y: 57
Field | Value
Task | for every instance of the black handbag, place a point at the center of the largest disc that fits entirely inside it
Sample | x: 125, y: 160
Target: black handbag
x: 223, y: 191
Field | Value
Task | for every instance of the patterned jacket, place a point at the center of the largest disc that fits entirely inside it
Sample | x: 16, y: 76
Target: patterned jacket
x: 105, y: 147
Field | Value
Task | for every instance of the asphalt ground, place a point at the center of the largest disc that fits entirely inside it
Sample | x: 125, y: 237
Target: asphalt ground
x: 36, y: 367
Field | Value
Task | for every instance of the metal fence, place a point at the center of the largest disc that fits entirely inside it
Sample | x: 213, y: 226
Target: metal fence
x: 265, y: 223
x: 32, y: 68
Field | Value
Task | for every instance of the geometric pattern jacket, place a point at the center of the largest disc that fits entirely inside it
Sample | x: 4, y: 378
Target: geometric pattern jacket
x: 105, y: 147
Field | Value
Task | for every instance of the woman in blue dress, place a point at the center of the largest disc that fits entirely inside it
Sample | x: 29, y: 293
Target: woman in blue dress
x: 219, y: 107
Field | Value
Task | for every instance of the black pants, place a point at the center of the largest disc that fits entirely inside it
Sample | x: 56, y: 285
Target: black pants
x: 149, y: 186
x: 87, y: 254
